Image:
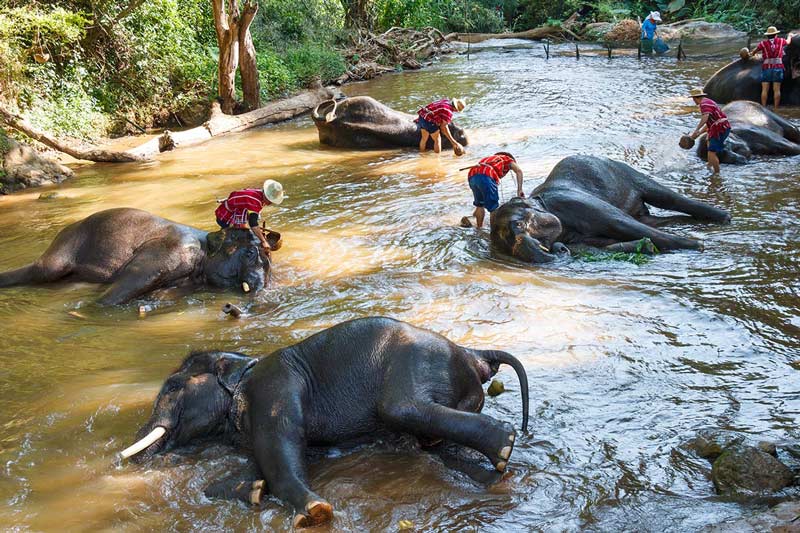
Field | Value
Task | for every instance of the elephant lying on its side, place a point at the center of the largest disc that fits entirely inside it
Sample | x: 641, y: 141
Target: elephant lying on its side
x: 351, y: 380
x: 137, y: 252
x: 363, y: 122
x: 741, y: 79
x: 594, y: 201
x: 755, y: 130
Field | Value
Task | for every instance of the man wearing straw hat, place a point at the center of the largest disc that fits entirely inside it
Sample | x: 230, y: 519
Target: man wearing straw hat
x: 649, y: 31
x: 715, y: 123
x: 772, y: 70
x: 434, y: 119
x: 484, y: 178
x: 242, y: 208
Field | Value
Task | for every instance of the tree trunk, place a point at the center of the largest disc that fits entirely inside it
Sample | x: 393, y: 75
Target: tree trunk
x: 248, y: 68
x: 226, y: 25
x: 356, y: 13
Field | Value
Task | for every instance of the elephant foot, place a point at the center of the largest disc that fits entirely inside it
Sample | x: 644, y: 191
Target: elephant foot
x: 506, y: 446
x: 466, y: 222
x: 317, y: 513
x: 256, y: 492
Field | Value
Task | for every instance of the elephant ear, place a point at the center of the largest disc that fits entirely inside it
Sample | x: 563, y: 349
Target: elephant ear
x: 230, y: 367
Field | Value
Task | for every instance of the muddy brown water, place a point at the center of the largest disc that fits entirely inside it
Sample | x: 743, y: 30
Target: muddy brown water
x: 625, y: 362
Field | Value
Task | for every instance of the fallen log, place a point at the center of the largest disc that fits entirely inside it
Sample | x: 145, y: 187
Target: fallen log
x: 218, y: 124
x: 535, y: 34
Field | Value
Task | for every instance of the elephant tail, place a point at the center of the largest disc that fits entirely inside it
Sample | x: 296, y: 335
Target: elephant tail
x: 495, y: 358
x: 20, y: 276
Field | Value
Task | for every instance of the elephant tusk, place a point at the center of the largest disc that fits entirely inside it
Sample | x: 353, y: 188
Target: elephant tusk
x: 544, y: 248
x: 245, y: 286
x: 144, y: 443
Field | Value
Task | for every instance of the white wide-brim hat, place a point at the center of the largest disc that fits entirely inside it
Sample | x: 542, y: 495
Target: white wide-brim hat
x: 772, y: 30
x: 459, y: 104
x: 655, y: 15
x: 273, y: 191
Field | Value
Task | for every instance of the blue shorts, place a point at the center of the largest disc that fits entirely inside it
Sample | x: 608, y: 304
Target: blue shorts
x: 717, y: 144
x: 484, y: 191
x: 771, y: 75
x: 430, y: 127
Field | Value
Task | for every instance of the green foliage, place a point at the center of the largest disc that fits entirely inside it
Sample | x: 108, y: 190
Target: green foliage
x: 446, y: 15
x: 644, y: 251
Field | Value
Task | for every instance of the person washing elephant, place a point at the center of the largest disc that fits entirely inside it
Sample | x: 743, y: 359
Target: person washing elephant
x: 772, y: 69
x: 649, y: 33
x: 242, y: 208
x: 434, y: 120
x: 714, y: 122
x: 484, y: 178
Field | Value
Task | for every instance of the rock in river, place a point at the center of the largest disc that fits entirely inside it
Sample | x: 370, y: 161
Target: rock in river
x: 745, y: 470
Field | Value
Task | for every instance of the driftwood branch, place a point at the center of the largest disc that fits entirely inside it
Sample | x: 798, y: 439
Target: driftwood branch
x: 536, y: 34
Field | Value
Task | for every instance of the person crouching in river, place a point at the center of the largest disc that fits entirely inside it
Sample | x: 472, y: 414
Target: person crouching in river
x: 715, y: 123
x: 772, y: 69
x: 434, y: 119
x: 243, y: 208
x: 484, y: 178
x: 649, y: 31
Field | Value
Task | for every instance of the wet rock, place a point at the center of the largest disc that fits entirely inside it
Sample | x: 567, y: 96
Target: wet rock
x: 746, y: 470
x: 21, y: 167
x: 710, y: 443
x: 783, y: 518
x: 49, y: 195
x: 496, y: 388
x: 768, y: 447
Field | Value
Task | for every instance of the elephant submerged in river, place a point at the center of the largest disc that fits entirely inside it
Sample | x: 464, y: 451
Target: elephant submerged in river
x: 137, y: 252
x: 594, y: 201
x: 741, y: 79
x: 755, y: 130
x: 363, y: 122
x: 352, y: 380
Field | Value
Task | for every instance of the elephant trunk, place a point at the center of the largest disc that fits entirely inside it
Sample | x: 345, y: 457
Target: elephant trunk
x: 530, y: 250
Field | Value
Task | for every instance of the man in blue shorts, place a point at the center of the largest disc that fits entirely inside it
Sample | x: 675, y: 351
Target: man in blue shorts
x: 484, y: 178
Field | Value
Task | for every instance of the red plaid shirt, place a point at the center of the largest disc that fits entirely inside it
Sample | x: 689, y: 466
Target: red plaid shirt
x: 495, y: 166
x: 772, y: 53
x: 239, y: 204
x: 717, y: 120
x: 439, y: 112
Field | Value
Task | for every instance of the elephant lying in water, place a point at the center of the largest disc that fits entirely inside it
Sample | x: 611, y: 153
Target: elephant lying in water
x: 137, y: 252
x: 594, y: 201
x: 363, y: 122
x: 354, y: 379
x: 755, y: 130
x: 741, y: 79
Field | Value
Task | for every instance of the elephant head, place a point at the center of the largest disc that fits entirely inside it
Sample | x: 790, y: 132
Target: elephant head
x: 235, y: 259
x: 198, y: 400
x: 527, y: 232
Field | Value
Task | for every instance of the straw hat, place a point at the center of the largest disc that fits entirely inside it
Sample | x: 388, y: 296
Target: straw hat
x: 655, y: 15
x: 772, y: 30
x: 459, y: 104
x: 273, y: 191
x: 696, y: 93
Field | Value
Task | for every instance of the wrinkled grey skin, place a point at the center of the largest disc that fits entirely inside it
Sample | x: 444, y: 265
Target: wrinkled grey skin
x: 597, y: 202
x: 755, y: 130
x: 350, y: 381
x: 137, y: 252
x: 741, y: 80
x: 363, y: 122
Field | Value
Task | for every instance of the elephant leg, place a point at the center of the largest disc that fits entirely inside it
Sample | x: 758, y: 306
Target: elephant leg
x: 244, y: 485
x: 492, y: 438
x: 454, y: 458
x: 151, y: 267
x: 626, y: 229
x: 656, y: 222
x: 280, y: 444
x: 659, y: 196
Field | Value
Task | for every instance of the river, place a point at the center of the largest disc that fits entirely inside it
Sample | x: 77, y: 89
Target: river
x: 625, y: 362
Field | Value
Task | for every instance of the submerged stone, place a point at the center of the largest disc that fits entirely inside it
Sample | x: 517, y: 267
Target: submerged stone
x: 710, y: 443
x: 745, y: 470
x: 496, y: 388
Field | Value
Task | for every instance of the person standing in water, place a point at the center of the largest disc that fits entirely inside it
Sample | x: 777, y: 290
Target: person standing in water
x: 434, y: 119
x: 484, y: 178
x: 772, y: 69
x: 242, y: 208
x: 649, y: 31
x: 715, y: 123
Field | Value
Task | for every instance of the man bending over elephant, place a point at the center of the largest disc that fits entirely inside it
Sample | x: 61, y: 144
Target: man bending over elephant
x: 772, y: 69
x: 715, y: 122
x: 435, y: 118
x: 243, y: 208
x: 484, y: 179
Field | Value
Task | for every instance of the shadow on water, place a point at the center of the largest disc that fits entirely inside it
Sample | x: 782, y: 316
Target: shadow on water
x: 625, y: 362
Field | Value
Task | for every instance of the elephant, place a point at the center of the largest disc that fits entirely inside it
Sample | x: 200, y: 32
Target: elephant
x: 597, y: 202
x: 741, y: 79
x: 755, y: 130
x: 137, y: 252
x: 353, y: 380
x: 363, y: 122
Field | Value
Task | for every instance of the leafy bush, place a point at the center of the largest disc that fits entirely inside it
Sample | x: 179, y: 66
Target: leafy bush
x: 310, y: 62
